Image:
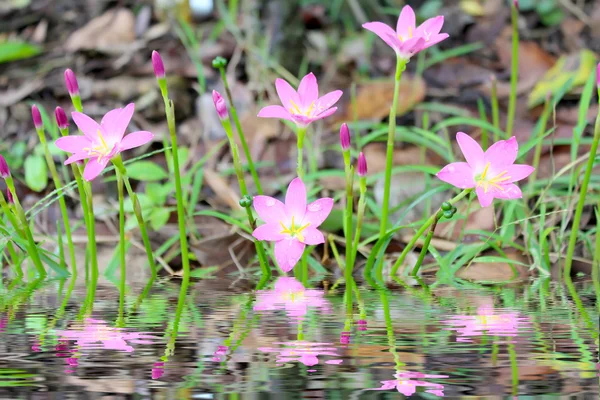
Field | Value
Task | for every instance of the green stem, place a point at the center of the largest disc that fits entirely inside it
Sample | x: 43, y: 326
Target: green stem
x: 300, y: 146
x: 185, y: 258
x: 121, y: 245
x: 425, y: 247
x: 362, y: 203
x: 137, y: 209
x: 61, y: 200
x: 422, y: 230
x: 13, y: 254
x: 389, y: 158
x: 514, y: 73
x: 537, y: 155
x: 33, y: 249
x: 348, y: 212
x: 581, y: 202
x: 596, y: 262
x: 389, y: 327
x: 238, y: 126
x: 495, y: 108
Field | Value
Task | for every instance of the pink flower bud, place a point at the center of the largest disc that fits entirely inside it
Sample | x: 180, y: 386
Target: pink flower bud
x: 598, y: 74
x: 220, y: 105
x: 9, y: 197
x: 362, y: 164
x: 516, y: 4
x: 4, y: 170
x: 157, y: 63
x: 158, y: 369
x: 345, y: 137
x: 37, y: 117
x: 71, y: 82
x: 362, y: 325
x: 61, y: 118
x: 345, y: 338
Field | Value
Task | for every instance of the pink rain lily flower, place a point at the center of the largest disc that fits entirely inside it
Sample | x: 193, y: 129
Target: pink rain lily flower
x: 303, y: 106
x: 408, y: 39
x: 290, y: 295
x: 492, y: 173
x: 487, y: 322
x: 101, y: 142
x: 406, y: 384
x: 306, y: 353
x: 292, y: 225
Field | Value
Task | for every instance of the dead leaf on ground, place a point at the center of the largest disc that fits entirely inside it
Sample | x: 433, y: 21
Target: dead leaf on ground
x: 496, y: 271
x: 12, y: 96
x: 222, y: 189
x: 107, y: 32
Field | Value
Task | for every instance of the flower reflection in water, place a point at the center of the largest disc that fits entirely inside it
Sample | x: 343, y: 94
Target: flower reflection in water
x: 158, y: 370
x: 407, y: 382
x: 292, y: 297
x: 486, y: 322
x: 306, y: 353
x: 219, y: 355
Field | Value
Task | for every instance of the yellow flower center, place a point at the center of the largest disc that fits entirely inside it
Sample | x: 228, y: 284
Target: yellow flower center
x: 293, y: 297
x: 99, y: 151
x: 410, y: 35
x: 496, y: 181
x: 293, y: 230
x: 295, y: 109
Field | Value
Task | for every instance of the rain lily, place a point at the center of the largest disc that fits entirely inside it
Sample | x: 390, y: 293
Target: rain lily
x: 37, y: 117
x: 292, y: 225
x: 408, y: 39
x: 491, y: 173
x: 220, y: 105
x: 405, y: 384
x: 291, y: 296
x: 303, y: 352
x: 486, y: 322
x: 4, y: 170
x: 71, y: 82
x: 101, y: 142
x: 61, y: 118
x: 362, y: 165
x: 345, y: 137
x: 303, y: 106
x: 158, y: 65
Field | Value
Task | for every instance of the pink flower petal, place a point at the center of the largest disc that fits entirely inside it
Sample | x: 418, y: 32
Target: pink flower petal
x: 385, y: 33
x: 93, y: 168
x: 269, y: 232
x: 73, y: 144
x: 275, y: 112
x: 318, y: 211
x: 430, y: 27
x: 88, y: 126
x: 510, y: 191
x: 115, y: 122
x: 295, y: 200
x: 405, y: 27
x: 485, y: 199
x: 435, y: 40
x: 287, y: 253
x: 288, y: 284
x: 328, y: 100
x: 286, y: 93
x: 411, y: 47
x: 518, y: 172
x: 325, y: 114
x: 502, y: 153
x: 269, y: 209
x: 308, y: 90
x: 471, y: 150
x: 77, y: 157
x: 135, y: 139
x: 312, y: 236
x: 458, y: 174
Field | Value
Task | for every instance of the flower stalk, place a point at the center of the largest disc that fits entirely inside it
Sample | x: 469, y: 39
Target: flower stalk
x: 123, y: 269
x: 362, y: 203
x: 514, y: 73
x: 348, y: 211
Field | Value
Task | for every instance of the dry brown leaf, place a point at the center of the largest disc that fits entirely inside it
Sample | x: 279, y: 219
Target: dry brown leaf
x: 496, y: 271
x: 222, y: 189
x: 107, y: 32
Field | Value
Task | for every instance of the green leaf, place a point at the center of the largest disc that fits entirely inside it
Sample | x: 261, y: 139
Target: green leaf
x: 36, y: 172
x: 146, y: 171
x: 203, y: 272
x: 159, y: 217
x: 496, y: 259
x: 17, y: 50
x: 145, y: 203
x: 158, y: 193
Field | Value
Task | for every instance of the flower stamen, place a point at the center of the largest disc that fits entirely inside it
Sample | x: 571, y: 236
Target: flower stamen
x: 293, y: 230
x: 495, y: 182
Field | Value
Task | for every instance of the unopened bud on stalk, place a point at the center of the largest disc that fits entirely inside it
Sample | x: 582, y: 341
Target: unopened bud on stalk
x: 516, y: 4
x: 345, y: 137
x: 598, y: 75
x: 9, y: 196
x: 157, y: 63
x: 345, y: 338
x: 37, y: 117
x: 4, y: 170
x: 61, y: 118
x: 362, y: 165
x: 361, y: 325
x: 220, y: 105
x: 219, y: 62
x: 246, y: 201
x: 71, y: 82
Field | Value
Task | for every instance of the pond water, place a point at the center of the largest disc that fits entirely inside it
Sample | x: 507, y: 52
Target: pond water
x: 287, y: 342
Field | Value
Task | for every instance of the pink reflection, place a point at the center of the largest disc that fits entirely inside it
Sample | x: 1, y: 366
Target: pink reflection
x: 406, y: 382
x: 306, y: 353
x: 292, y: 297
x: 487, y: 321
x: 219, y: 355
x: 97, y: 331
x: 158, y: 370
x: 3, y: 323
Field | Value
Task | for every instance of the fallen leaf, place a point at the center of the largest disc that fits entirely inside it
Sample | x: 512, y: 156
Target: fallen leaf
x: 107, y: 32
x: 222, y: 189
x: 496, y: 271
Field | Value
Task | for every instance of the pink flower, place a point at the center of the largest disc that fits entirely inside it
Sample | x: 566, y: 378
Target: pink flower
x: 220, y: 105
x: 405, y: 384
x: 61, y: 118
x: 303, y: 106
x: 491, y: 173
x: 289, y: 295
x: 408, y: 39
x: 219, y: 355
x: 158, y: 369
x: 101, y: 142
x: 157, y: 64
x: 292, y: 225
x: 4, y: 170
x: 303, y: 352
x: 486, y: 322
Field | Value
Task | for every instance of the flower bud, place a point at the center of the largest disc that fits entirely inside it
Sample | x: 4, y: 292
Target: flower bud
x: 219, y: 62
x: 362, y: 164
x: 71, y: 82
x: 345, y: 137
x: 9, y: 197
x: 598, y: 75
x: 158, y: 369
x: 220, y: 105
x: 516, y: 4
x: 246, y: 201
x: 157, y: 63
x: 37, y: 117
x: 345, y: 338
x: 4, y: 170
x: 61, y: 118
x: 361, y: 325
